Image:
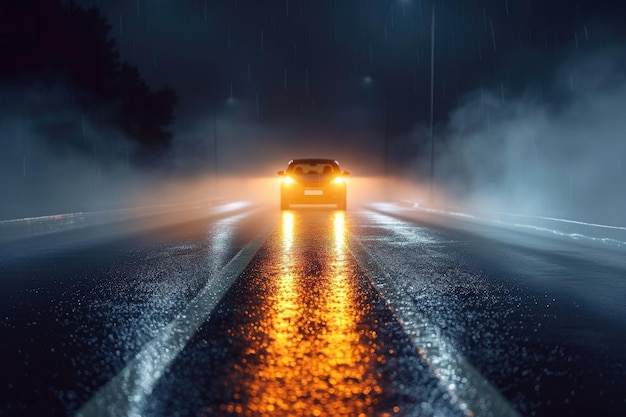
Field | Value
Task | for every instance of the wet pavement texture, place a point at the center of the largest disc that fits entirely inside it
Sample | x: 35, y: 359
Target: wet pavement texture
x: 78, y: 305
x: 367, y: 312
x: 302, y: 332
x: 541, y: 318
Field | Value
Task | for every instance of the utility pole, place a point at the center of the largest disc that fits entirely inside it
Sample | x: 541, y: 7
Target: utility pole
x: 386, y: 150
x: 215, y: 139
x: 432, y: 91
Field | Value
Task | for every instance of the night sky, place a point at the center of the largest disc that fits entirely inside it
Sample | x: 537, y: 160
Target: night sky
x: 302, y: 58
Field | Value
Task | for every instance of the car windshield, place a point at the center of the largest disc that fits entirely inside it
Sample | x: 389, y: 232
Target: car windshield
x: 308, y: 168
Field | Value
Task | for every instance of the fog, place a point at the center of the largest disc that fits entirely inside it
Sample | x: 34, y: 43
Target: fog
x: 55, y: 159
x: 251, y: 152
x: 557, y: 152
x: 259, y: 86
x: 554, y: 152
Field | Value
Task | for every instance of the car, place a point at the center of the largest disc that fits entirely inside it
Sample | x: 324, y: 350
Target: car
x: 313, y: 181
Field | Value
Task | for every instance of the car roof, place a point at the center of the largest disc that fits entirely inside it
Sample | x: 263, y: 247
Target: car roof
x: 313, y: 161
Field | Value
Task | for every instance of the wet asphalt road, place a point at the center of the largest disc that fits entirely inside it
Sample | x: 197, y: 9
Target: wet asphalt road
x: 314, y: 311
x: 303, y: 332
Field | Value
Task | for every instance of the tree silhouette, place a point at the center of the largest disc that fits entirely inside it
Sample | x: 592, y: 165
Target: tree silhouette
x: 143, y: 114
x: 51, y: 42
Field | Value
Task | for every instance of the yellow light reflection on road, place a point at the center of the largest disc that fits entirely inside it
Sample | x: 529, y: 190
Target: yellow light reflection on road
x: 313, y: 360
x: 287, y: 231
x: 340, y: 231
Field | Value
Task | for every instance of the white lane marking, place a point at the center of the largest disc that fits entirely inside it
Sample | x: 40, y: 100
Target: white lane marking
x: 388, y: 207
x: 142, y: 217
x: 127, y: 392
x: 469, y: 390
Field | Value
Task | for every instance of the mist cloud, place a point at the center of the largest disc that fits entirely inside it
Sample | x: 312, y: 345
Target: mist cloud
x: 247, y: 145
x: 55, y: 158
x: 560, y: 154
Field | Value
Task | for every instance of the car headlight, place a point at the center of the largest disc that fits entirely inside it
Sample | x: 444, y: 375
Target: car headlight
x: 338, y: 180
x: 288, y: 180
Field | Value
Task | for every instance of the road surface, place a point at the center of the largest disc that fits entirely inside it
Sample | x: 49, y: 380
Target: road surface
x: 235, y: 310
